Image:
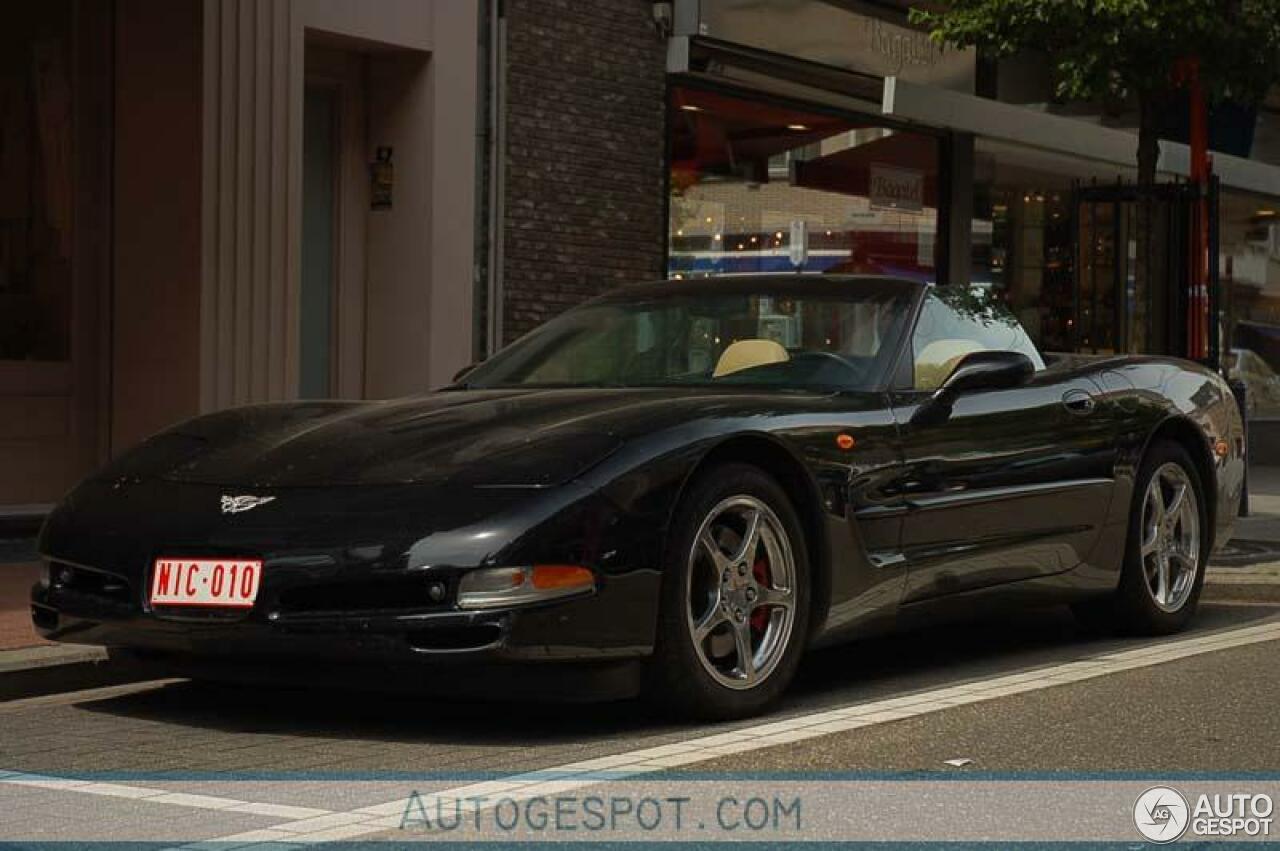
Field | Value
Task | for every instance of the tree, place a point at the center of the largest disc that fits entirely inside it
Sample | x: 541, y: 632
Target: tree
x: 1126, y: 50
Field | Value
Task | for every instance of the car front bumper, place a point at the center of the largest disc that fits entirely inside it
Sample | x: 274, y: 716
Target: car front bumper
x: 345, y: 576
x: 602, y: 625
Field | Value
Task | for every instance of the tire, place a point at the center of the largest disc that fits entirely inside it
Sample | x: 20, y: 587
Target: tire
x: 760, y: 597
x: 1140, y: 604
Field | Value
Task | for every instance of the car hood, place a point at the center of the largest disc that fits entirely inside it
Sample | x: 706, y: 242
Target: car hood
x: 524, y: 438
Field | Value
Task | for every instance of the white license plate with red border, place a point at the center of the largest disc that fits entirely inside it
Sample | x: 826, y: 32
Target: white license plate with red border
x: 209, y: 582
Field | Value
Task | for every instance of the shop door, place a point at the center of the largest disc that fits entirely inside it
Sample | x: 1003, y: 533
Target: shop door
x: 1132, y: 295
x: 54, y: 202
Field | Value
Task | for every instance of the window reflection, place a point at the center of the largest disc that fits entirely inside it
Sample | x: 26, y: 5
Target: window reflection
x: 759, y: 187
x: 1249, y: 270
x: 1027, y: 229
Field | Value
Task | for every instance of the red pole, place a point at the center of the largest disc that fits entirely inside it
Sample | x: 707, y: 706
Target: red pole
x: 1198, y: 302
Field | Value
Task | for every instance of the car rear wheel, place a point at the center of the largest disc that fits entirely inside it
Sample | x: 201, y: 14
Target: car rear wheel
x: 735, y: 598
x: 1166, y: 551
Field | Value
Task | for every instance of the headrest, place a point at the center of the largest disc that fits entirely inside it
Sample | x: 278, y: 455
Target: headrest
x: 744, y: 354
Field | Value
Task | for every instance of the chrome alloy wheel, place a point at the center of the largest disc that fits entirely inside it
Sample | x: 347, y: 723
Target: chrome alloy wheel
x: 741, y: 592
x: 1170, y: 545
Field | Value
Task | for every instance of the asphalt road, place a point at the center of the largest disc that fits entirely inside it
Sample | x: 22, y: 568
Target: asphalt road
x: 1212, y: 710
x: 1211, y: 713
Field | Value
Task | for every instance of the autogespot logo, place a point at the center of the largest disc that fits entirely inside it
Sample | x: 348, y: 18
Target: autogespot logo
x: 1161, y: 814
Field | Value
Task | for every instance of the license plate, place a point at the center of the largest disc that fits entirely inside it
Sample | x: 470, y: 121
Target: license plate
x: 213, y: 582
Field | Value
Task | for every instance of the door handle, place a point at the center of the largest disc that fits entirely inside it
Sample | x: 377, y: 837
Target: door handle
x: 1079, y: 402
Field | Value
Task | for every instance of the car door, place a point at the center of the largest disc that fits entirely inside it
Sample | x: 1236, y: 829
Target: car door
x: 1015, y: 483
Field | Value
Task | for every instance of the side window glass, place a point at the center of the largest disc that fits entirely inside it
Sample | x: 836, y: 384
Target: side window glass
x: 954, y: 322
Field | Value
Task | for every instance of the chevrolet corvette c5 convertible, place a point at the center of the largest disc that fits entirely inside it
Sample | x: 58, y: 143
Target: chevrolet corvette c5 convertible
x: 673, y: 490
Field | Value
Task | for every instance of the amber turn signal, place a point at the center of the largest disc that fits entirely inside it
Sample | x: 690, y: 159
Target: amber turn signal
x: 500, y: 587
x: 547, y: 576
x: 1221, y: 448
x: 845, y: 441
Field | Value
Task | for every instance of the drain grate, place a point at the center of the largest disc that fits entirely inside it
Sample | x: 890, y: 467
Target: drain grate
x: 1244, y: 553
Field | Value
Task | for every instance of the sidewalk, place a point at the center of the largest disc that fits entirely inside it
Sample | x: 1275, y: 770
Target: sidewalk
x: 15, y: 615
x: 30, y: 666
x: 1263, y: 523
x: 1249, y: 566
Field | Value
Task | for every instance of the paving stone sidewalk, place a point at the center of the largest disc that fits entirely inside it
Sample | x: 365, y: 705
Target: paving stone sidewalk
x: 15, y: 614
x: 1254, y: 549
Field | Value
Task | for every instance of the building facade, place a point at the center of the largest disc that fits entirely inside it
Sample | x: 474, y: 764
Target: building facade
x: 206, y: 203
x: 582, y: 86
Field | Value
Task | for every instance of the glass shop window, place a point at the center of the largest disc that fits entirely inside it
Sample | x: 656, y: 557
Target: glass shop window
x: 1249, y: 272
x: 762, y: 187
x: 1025, y: 234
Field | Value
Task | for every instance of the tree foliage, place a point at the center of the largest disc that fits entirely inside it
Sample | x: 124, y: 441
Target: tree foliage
x: 1127, y: 51
x: 1121, y: 49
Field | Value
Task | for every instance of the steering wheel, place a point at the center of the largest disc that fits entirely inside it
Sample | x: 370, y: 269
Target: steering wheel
x: 826, y: 357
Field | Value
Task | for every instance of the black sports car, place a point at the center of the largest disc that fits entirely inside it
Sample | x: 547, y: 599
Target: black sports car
x: 675, y: 489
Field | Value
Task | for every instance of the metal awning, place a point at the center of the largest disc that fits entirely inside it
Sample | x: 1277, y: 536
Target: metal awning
x: 1030, y: 128
x: 903, y: 101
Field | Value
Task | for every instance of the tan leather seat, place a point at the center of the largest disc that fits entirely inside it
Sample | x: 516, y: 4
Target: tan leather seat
x: 745, y: 354
x: 937, y: 360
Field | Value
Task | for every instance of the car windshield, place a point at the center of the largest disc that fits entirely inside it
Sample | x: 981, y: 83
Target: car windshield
x: 837, y: 340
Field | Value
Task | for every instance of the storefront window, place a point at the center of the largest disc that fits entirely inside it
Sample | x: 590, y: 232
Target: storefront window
x: 1249, y: 270
x: 1026, y: 231
x: 758, y: 187
x: 1022, y: 251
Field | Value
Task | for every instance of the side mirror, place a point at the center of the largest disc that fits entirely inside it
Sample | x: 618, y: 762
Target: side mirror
x: 976, y: 372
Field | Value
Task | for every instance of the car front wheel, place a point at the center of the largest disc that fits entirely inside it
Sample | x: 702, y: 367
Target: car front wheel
x: 735, y: 598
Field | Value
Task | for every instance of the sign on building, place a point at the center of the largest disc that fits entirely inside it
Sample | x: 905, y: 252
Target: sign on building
x: 894, y: 188
x: 879, y: 42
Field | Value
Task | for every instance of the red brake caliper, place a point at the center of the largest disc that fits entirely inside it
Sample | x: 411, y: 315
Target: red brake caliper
x: 760, y: 616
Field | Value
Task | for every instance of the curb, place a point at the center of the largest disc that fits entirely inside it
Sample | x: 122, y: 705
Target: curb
x: 1256, y: 583
x: 1242, y: 592
x: 25, y: 522
x: 51, y: 669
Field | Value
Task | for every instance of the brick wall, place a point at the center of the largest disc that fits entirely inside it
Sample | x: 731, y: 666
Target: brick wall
x: 585, y: 141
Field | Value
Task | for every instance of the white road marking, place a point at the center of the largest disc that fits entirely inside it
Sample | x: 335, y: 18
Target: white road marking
x: 313, y: 825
